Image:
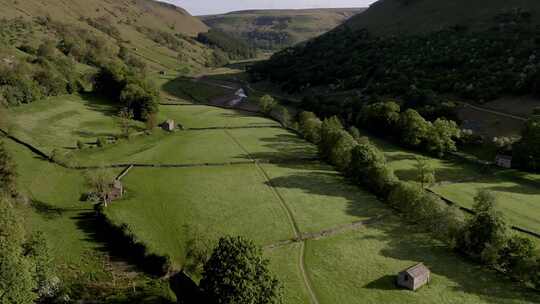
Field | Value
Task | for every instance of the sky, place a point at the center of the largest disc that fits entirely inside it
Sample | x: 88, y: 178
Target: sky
x: 207, y: 7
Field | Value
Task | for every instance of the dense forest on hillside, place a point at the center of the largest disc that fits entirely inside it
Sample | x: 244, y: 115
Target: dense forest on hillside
x: 479, y: 65
x: 234, y: 47
x: 422, y: 72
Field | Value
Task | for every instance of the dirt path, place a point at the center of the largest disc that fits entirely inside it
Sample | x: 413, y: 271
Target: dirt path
x: 486, y: 110
x: 292, y: 221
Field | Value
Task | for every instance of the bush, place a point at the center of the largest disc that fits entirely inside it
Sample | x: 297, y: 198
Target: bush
x: 267, y: 104
x: 101, y: 142
x: 310, y: 127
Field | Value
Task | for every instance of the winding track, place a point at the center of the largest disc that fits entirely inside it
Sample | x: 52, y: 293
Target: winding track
x: 290, y: 216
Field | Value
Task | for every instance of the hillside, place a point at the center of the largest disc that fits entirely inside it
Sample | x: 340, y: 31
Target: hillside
x: 158, y: 34
x: 276, y: 29
x: 421, y: 16
x: 492, y: 56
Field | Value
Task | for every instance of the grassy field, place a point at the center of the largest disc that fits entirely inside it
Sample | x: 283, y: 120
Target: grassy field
x: 262, y: 202
x: 518, y: 193
x: 284, y: 264
x: 363, y: 265
x: 320, y: 198
x: 404, y: 162
x: 207, y: 117
x: 80, y: 254
x: 188, y: 89
x: 227, y: 200
x: 517, y: 199
x: 59, y: 122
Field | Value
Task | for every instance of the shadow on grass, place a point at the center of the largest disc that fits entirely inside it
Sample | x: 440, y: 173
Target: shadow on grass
x: 322, y: 181
x: 282, y: 147
x: 387, y: 282
x: 100, y: 104
x: 47, y: 210
x: 405, y: 242
x: 111, y: 242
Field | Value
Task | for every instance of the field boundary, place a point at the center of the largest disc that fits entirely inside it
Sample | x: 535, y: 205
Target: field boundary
x: 292, y: 220
x: 471, y: 212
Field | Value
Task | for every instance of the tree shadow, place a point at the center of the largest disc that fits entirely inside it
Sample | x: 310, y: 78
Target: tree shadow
x: 112, y: 242
x: 283, y: 147
x: 100, y: 104
x: 320, y: 180
x: 47, y: 210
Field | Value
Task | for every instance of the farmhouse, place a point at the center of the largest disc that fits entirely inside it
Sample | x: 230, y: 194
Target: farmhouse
x: 116, y: 192
x: 414, y: 277
x: 503, y: 161
x: 168, y: 125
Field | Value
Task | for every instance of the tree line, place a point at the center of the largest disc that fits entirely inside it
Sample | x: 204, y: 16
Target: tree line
x: 484, y: 237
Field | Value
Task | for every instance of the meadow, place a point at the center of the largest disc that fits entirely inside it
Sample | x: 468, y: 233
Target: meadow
x: 293, y: 196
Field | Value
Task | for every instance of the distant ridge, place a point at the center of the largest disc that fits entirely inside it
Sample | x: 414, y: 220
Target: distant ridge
x: 274, y: 29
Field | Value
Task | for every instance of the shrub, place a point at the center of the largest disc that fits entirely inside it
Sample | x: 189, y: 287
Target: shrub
x: 267, y: 104
x: 310, y: 127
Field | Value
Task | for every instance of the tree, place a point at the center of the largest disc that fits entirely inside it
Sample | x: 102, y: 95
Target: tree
x: 355, y: 133
x: 381, y: 117
x: 267, y: 104
x: 364, y: 156
x: 237, y: 273
x: 17, y: 284
x: 485, y: 232
x: 330, y: 133
x: 441, y: 137
x: 527, y: 151
x: 286, y: 118
x: 8, y: 173
x: 124, y: 121
x: 310, y: 126
x: 340, y: 153
x: 99, y: 182
x: 515, y: 253
x: 151, y: 122
x: 414, y: 128
x: 140, y: 98
x: 425, y: 172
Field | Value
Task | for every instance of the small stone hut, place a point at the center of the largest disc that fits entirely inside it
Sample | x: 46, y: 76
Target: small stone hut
x: 414, y: 277
x: 168, y: 125
x: 503, y: 161
x: 116, y: 192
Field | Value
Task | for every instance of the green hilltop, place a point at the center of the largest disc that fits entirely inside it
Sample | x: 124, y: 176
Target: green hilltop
x: 276, y: 29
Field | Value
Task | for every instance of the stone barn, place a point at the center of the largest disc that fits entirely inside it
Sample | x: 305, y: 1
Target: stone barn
x: 503, y: 161
x: 414, y: 277
x: 116, y: 192
x: 168, y: 125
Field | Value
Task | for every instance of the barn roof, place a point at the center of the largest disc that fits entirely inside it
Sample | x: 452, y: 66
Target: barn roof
x: 417, y: 270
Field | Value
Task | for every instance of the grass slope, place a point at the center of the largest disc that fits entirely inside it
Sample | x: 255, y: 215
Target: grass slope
x: 363, y: 265
x: 394, y: 17
x: 274, y: 29
x: 126, y: 16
